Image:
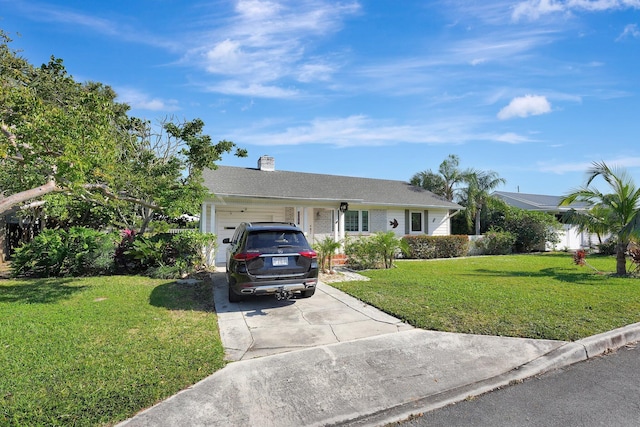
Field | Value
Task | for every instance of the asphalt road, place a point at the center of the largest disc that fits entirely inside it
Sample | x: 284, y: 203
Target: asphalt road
x: 603, y: 391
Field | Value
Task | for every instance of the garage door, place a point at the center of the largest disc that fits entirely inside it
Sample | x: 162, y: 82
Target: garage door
x: 226, y: 226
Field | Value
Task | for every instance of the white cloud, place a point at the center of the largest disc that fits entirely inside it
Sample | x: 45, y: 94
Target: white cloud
x: 364, y: 131
x: 534, y: 9
x: 583, y: 166
x: 142, y: 101
x: 630, y: 30
x: 524, y: 106
x: 235, y: 87
x: 268, y: 41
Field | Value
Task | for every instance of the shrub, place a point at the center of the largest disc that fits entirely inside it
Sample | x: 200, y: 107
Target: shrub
x: 362, y: 253
x: 430, y: 247
x: 79, y: 251
x: 83, y: 251
x: 608, y: 247
x: 532, y: 229
x: 496, y: 242
x: 375, y: 251
x: 189, y: 250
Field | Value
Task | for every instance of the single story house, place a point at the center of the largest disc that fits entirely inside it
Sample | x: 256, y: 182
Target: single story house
x: 570, y: 237
x: 321, y: 205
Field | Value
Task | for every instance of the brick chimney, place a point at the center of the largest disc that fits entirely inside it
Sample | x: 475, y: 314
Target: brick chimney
x: 266, y: 163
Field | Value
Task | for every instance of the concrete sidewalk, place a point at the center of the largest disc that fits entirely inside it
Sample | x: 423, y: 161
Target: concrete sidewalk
x: 367, y: 381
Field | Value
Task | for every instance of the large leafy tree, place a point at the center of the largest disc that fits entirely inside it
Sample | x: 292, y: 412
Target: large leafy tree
x: 58, y: 136
x: 164, y: 168
x: 617, y: 211
x: 476, y: 195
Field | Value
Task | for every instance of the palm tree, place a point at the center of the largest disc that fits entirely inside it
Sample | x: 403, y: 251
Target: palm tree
x: 621, y: 207
x: 479, y: 186
x: 444, y: 182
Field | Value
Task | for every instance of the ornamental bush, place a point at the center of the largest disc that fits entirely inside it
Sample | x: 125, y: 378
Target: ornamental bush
x: 429, y: 247
x: 53, y: 253
x: 495, y: 242
x: 84, y: 252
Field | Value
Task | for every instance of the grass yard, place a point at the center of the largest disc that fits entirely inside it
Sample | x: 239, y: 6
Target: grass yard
x: 534, y: 296
x: 94, y: 351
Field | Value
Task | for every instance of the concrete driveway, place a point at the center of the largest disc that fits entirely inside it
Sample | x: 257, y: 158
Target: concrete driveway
x: 262, y: 326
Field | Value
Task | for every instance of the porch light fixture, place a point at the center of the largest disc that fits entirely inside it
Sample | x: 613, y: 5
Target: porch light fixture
x: 344, y: 206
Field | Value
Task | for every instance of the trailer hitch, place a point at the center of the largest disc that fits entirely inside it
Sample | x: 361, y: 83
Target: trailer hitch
x: 283, y: 294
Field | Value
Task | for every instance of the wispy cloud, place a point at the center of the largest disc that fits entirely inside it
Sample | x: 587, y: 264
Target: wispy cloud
x: 364, y: 131
x: 630, y: 30
x: 583, y: 166
x: 525, y: 106
x: 142, y: 101
x: 267, y: 42
x: 60, y: 14
x: 535, y: 9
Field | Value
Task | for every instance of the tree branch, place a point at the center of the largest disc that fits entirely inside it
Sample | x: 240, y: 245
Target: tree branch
x: 106, y: 191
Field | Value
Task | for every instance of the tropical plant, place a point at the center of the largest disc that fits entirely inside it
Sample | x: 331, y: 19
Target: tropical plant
x: 621, y: 207
x: 445, y: 181
x: 362, y: 253
x: 326, y: 248
x: 77, y: 252
x: 388, y: 246
x: 596, y: 220
x: 476, y: 194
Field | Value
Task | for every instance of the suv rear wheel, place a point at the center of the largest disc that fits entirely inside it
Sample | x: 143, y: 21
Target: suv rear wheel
x: 309, y: 293
x: 233, y: 297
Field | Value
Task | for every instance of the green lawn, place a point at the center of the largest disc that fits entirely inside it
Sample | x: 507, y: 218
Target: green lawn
x: 534, y: 296
x: 94, y: 351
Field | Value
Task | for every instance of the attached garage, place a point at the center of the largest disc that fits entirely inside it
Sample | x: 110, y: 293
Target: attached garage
x: 227, y: 221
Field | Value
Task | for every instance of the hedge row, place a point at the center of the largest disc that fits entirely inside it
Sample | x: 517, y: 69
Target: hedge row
x: 428, y: 247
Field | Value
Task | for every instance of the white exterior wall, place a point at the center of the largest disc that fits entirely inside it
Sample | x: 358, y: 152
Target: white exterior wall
x: 438, y: 223
x: 396, y: 215
x: 572, y: 239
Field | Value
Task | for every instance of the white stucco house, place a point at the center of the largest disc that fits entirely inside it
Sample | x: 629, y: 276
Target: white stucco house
x: 570, y: 237
x: 321, y: 205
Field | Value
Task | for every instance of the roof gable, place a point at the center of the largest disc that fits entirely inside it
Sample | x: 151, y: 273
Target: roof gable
x: 230, y: 181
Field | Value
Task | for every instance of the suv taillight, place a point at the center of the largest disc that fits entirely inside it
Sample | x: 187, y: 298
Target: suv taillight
x: 309, y: 254
x: 245, y: 256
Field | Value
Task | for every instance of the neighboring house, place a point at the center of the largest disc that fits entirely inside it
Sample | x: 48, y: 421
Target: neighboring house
x: 570, y: 238
x: 321, y: 205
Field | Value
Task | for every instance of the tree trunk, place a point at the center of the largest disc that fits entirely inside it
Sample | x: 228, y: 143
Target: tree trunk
x: 621, y: 258
x: 478, y: 211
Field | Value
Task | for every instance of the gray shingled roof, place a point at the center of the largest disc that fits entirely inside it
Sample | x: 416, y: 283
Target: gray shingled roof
x: 537, y: 202
x: 231, y: 181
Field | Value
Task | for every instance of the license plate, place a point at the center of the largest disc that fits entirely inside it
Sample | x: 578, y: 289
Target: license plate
x: 278, y: 261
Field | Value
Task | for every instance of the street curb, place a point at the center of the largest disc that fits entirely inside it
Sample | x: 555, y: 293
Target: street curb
x: 565, y: 355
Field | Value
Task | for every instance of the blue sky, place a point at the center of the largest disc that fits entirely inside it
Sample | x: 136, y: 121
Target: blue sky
x: 534, y: 90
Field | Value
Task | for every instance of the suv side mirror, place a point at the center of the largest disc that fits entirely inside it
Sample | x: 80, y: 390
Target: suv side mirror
x: 226, y: 240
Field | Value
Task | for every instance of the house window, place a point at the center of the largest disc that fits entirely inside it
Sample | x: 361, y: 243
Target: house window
x: 356, y: 221
x: 416, y: 221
